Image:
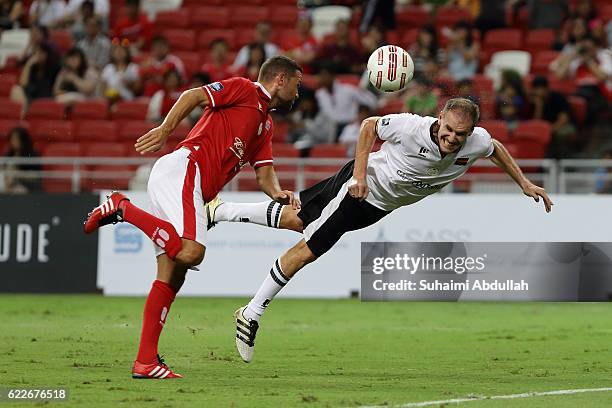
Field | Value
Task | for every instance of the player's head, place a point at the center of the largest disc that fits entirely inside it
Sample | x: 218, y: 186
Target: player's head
x: 456, y: 123
x: 281, y: 76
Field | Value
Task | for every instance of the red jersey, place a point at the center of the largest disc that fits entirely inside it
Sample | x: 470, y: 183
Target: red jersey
x: 134, y: 29
x: 235, y: 129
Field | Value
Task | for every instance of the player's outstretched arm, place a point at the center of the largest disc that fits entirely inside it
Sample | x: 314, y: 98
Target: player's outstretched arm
x: 358, y: 187
x: 268, y: 183
x: 156, y: 137
x: 503, y: 160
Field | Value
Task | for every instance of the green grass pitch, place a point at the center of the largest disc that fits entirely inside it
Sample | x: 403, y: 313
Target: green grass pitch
x: 310, y: 353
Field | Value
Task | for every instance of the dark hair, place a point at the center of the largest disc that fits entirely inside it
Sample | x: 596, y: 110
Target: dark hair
x: 468, y: 27
x: 73, y: 52
x: 433, y: 47
x: 27, y: 149
x: 277, y: 65
x: 218, y: 41
x: 160, y: 39
x: 203, y: 77
x: 463, y: 106
x: 539, y: 82
x: 87, y: 3
x: 256, y: 46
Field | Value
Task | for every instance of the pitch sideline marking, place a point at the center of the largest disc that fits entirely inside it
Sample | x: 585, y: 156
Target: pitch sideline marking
x: 494, y: 397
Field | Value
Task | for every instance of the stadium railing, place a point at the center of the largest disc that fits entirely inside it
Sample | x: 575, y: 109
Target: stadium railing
x: 557, y: 176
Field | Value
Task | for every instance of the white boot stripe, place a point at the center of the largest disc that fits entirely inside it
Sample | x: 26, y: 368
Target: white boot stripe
x: 154, y: 370
x: 160, y: 372
x: 165, y: 375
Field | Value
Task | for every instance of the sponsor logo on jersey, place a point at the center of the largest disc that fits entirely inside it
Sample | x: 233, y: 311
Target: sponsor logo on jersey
x: 418, y: 184
x: 423, y: 151
x: 268, y: 124
x: 238, y: 150
x: 385, y: 122
x: 216, y: 86
x: 433, y: 171
x: 462, y: 161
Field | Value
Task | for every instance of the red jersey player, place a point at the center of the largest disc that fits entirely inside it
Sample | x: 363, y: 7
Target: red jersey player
x: 235, y: 129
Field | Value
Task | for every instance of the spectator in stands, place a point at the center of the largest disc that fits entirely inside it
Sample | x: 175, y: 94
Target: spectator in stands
x: 101, y: 9
x: 38, y: 35
x: 95, y: 46
x: 11, y: 12
x: 120, y: 79
x: 350, y: 133
x: 257, y: 56
x: 76, y: 81
x: 340, y: 101
x: 553, y: 107
x: 161, y: 60
x: 574, y: 31
x: 263, y: 33
x: 219, y: 67
x: 38, y: 75
x: 425, y: 48
x: 546, y: 14
x: 197, y: 80
x: 462, y: 52
x: 584, y: 10
x: 379, y: 13
x: 511, y: 99
x: 465, y: 89
x: 134, y: 26
x: 492, y: 15
x: 372, y: 40
x: 424, y: 101
x: 20, y: 145
x: 48, y: 13
x: 162, y: 100
x: 78, y: 26
x: 302, y: 45
x: 342, y: 52
x: 309, y: 125
x: 591, y: 69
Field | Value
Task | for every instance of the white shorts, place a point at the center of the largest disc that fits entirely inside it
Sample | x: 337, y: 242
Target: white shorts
x: 175, y: 192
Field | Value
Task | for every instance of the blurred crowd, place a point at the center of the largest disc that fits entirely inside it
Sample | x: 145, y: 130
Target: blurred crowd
x: 126, y: 59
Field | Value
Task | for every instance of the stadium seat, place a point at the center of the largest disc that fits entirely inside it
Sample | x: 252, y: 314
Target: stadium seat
x: 519, y: 61
x: 97, y: 149
x: 46, y: 109
x: 10, y: 109
x: 409, y: 37
x: 605, y: 11
x: 52, y: 131
x: 565, y: 86
x: 539, y: 40
x: 172, y: 18
x: 350, y: 79
x: 180, y: 39
x: 412, y: 16
x: 7, y: 81
x: 538, y: 130
x: 447, y: 16
x: 247, y: 16
x: 283, y: 16
x: 502, y: 39
x: 130, y: 110
x: 96, y: 131
x: 483, y: 86
x: 247, y: 180
x: 180, y: 133
x: 281, y: 128
x: 6, y: 125
x: 497, y: 128
x: 579, y: 108
x: 64, y: 184
x: 132, y: 130
x: 328, y: 150
x: 391, y: 106
x: 63, y: 39
x: 94, y: 109
x: 284, y: 150
x: 204, y: 17
x: 108, y: 177
x: 542, y: 60
x: 243, y: 36
x: 191, y: 61
x: 528, y: 148
x: 62, y: 150
x: 324, y: 19
x: 207, y: 36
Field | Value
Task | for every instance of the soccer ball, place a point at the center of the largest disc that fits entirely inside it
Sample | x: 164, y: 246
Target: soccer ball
x: 390, y: 68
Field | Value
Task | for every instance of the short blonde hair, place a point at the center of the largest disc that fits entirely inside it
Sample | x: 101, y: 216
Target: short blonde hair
x: 463, y: 106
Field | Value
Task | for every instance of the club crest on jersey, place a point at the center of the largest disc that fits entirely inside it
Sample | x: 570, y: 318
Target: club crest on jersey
x: 216, y: 86
x: 385, y: 122
x: 260, y: 129
x: 462, y: 161
x: 433, y: 171
x: 268, y: 124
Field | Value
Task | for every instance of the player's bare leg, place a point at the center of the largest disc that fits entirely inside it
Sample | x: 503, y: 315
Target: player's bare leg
x: 268, y: 213
x: 247, y: 317
x: 170, y: 279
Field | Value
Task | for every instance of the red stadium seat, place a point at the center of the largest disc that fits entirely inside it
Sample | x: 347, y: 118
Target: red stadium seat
x: 180, y: 133
x: 132, y: 130
x: 409, y: 37
x: 191, y: 61
x: 328, y: 150
x: 243, y: 37
x: 482, y: 85
x: 412, y: 16
x: 10, y: 109
x: 130, y: 110
x: 52, y: 131
x: 503, y: 39
x: 529, y: 148
x: 64, y: 184
x: 497, y: 128
x: 180, y: 39
x: 63, y: 39
x: 6, y: 125
x: 247, y: 16
x: 207, y: 36
x: 62, y: 150
x: 247, y: 180
x: 94, y: 109
x: 539, y: 40
x: 104, y: 177
x: 391, y: 106
x: 179, y: 18
x: 579, y: 108
x: 283, y: 16
x: 205, y: 17
x: 605, y: 12
x: 538, y: 130
x: 565, y: 86
x: 104, y: 150
x: 447, y: 16
x: 7, y: 81
x: 281, y: 128
x: 541, y: 62
x: 46, y: 109
x: 284, y: 150
x: 96, y: 131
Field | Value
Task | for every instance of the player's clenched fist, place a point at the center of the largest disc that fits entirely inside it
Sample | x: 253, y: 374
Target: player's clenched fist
x: 152, y: 141
x: 358, y: 188
x: 287, y: 197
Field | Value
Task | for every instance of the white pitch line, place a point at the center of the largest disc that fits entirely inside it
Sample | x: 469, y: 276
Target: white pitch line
x: 494, y: 397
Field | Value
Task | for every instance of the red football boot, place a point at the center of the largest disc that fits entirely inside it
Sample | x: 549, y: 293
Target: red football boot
x: 155, y: 371
x: 107, y: 213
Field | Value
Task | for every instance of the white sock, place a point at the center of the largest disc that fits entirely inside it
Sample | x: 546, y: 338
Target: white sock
x: 267, y: 213
x: 271, y: 285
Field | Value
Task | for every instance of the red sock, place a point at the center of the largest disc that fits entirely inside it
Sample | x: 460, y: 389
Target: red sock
x: 159, y: 231
x: 156, y: 312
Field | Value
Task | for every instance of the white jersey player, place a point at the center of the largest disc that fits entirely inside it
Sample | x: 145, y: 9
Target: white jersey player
x: 420, y: 156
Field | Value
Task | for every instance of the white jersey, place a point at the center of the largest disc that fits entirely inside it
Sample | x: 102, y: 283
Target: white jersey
x: 409, y: 166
